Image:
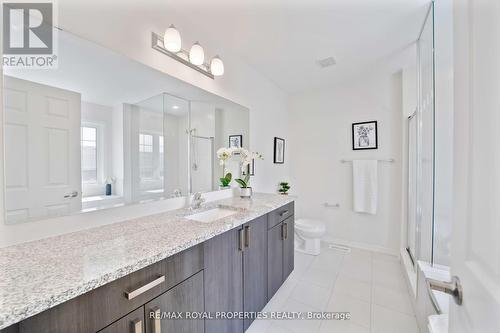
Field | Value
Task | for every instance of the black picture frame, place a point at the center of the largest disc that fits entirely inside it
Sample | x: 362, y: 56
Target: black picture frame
x: 239, y: 137
x: 277, y: 150
x: 356, y: 143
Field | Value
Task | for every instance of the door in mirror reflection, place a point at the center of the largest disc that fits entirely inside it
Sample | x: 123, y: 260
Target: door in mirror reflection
x: 42, y: 145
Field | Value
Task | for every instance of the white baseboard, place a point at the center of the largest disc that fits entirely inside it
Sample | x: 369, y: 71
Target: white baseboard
x: 362, y: 246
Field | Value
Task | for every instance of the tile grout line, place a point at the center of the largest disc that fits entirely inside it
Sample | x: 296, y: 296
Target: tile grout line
x: 333, y: 289
x: 371, y: 294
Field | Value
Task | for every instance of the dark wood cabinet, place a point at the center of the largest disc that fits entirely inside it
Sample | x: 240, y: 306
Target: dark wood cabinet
x: 185, y: 298
x: 255, y: 267
x: 224, y: 280
x: 236, y: 274
x: 280, y: 238
x: 131, y: 323
x: 275, y: 259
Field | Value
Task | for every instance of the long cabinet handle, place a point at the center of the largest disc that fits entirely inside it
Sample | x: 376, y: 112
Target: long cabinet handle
x: 247, y: 236
x: 156, y: 313
x: 282, y: 231
x: 141, y: 290
x: 137, y: 325
x: 242, y: 239
x: 285, y: 233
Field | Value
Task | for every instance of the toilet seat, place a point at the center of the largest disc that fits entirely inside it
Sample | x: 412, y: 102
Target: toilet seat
x: 310, y: 225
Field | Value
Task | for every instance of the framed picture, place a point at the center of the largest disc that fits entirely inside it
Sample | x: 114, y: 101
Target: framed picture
x: 235, y: 141
x: 279, y: 150
x: 364, y: 135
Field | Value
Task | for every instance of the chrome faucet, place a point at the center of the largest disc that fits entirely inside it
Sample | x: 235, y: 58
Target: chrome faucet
x: 177, y: 193
x: 197, y: 201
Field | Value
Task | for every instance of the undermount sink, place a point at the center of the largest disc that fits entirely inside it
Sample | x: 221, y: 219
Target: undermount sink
x: 211, y: 215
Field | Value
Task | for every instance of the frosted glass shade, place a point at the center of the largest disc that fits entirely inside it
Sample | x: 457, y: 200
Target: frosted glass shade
x: 172, y: 39
x: 217, y: 66
x: 196, y: 54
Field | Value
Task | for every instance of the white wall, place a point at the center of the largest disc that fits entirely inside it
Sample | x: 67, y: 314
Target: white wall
x: 320, y: 135
x: 230, y: 121
x: 203, y: 121
x: 241, y: 84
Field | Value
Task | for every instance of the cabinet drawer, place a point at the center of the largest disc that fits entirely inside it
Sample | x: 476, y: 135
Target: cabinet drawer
x: 184, y: 298
x: 280, y: 214
x: 100, y: 307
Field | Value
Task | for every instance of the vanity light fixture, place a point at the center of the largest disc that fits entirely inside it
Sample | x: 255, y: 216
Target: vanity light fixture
x: 170, y: 44
x: 197, y: 54
x: 172, y: 39
x: 217, y: 66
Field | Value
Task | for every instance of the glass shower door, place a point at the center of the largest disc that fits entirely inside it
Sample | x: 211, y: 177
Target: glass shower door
x: 426, y: 140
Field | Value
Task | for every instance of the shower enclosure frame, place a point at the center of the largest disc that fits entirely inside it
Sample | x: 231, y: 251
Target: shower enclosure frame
x: 424, y: 223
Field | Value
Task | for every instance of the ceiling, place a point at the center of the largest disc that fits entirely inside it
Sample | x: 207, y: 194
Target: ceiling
x: 281, y: 39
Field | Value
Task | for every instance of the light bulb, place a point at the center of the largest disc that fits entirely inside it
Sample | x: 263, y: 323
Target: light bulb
x: 196, y: 54
x: 217, y: 66
x: 172, y: 39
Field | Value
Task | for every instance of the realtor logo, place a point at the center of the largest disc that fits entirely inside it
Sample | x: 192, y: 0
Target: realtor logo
x: 28, y: 35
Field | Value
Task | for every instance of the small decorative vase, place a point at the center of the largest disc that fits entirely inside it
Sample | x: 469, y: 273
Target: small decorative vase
x: 222, y: 187
x: 246, y: 192
x: 108, y: 189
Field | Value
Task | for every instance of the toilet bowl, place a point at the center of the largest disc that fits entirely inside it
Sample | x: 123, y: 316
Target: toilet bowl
x: 308, y: 235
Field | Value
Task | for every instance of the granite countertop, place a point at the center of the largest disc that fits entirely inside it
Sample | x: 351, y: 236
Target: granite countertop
x: 39, y: 275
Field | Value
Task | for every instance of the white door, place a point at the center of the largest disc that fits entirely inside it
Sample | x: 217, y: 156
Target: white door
x: 42, y: 150
x: 476, y: 224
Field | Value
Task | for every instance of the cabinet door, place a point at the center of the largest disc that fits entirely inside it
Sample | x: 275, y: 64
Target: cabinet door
x: 288, y: 246
x: 255, y: 267
x: 224, y: 280
x: 185, y: 297
x: 275, y: 259
x: 131, y: 323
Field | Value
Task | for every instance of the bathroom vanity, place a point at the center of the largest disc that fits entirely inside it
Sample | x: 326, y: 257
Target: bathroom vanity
x: 125, y: 276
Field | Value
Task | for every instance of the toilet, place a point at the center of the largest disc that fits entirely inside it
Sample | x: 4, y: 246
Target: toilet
x: 308, y: 235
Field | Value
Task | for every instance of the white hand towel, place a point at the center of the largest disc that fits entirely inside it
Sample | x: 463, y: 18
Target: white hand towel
x: 365, y: 181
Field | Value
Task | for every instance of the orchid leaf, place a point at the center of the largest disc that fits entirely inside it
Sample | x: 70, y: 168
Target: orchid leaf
x: 241, y: 182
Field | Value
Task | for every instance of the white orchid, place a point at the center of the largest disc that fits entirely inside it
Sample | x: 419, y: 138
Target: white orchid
x: 223, y: 154
x: 245, y: 157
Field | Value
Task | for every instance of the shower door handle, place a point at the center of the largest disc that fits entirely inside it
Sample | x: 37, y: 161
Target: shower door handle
x: 452, y: 288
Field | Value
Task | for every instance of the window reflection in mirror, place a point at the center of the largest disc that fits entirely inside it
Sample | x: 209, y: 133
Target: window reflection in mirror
x: 102, y: 130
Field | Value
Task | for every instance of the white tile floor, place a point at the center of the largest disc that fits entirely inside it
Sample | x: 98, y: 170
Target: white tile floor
x: 369, y: 285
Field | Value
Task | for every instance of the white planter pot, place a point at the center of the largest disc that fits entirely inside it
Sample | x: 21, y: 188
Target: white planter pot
x: 246, y: 192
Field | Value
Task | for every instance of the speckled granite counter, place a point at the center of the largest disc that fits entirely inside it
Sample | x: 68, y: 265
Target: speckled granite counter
x: 39, y: 275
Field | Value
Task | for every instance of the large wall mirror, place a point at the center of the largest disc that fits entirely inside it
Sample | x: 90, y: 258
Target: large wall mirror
x: 104, y: 131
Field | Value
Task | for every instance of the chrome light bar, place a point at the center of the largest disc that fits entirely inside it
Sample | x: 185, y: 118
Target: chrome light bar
x: 182, y: 56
